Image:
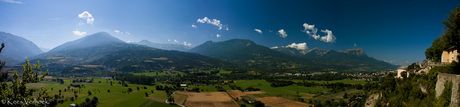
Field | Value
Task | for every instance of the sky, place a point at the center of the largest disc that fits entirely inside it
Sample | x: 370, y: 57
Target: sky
x: 394, y: 31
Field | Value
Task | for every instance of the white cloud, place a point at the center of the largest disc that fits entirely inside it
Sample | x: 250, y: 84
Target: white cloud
x: 13, y: 1
x: 78, y: 33
x: 128, y: 33
x: 176, y: 41
x: 218, y: 35
x: 282, y: 33
x: 298, y: 46
x: 354, y: 44
x: 194, y: 26
x: 169, y: 40
x: 275, y: 47
x: 258, y: 31
x: 186, y: 44
x: 214, y: 22
x: 329, y: 37
x: 117, y: 31
x: 85, y: 15
x: 311, y: 30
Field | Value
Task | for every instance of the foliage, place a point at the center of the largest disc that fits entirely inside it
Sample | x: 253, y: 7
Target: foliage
x: 444, y: 99
x: 17, y: 91
x: 450, y: 37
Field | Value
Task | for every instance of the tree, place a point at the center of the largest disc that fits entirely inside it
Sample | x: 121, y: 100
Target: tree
x: 17, y: 90
x: 450, y: 37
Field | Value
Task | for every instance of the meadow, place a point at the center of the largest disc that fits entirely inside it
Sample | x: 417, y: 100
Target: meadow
x: 117, y: 97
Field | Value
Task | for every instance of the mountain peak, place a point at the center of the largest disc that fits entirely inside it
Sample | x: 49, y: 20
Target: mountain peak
x: 98, y: 38
x: 357, y: 52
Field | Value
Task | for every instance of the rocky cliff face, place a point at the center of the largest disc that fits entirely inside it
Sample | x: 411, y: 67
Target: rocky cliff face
x: 444, y: 78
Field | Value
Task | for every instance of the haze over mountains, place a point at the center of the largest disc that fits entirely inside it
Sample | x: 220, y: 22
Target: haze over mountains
x: 101, y: 51
x: 164, y: 46
x: 17, y: 48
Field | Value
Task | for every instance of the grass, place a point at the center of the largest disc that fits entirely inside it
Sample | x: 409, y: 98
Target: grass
x: 345, y: 81
x: 158, y: 104
x: 287, y: 92
x: 163, y: 73
x: 114, y: 98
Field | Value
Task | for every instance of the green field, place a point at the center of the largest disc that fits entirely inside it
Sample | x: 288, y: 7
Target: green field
x: 163, y: 73
x: 114, y: 98
x: 287, y: 91
x: 210, y: 88
x: 345, y: 81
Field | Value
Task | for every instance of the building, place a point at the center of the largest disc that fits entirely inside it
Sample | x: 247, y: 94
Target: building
x: 449, y: 55
x: 400, y: 70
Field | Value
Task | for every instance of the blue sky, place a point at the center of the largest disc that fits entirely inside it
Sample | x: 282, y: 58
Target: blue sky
x: 392, y: 30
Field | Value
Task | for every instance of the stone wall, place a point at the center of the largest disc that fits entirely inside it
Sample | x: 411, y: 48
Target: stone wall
x: 443, y: 78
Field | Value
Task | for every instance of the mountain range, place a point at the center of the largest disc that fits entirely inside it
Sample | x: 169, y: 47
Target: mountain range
x: 177, y: 47
x: 355, y: 59
x: 101, y: 51
x: 105, y: 52
x: 17, y: 48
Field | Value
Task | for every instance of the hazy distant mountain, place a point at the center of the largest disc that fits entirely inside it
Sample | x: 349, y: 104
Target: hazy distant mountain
x: 164, y: 46
x: 117, y: 55
x: 99, y: 38
x: 45, y: 49
x: 17, y: 48
x: 145, y: 60
x: 355, y: 58
x: 247, y: 53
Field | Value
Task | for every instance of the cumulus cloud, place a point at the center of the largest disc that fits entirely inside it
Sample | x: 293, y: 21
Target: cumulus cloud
x: 176, y: 41
x: 312, y: 31
x: 214, y: 22
x: 258, y: 31
x: 86, y: 15
x: 194, y: 26
x: 186, y: 44
x: 329, y: 37
x: 78, y: 33
x: 354, y: 44
x: 282, y: 33
x: 298, y: 46
x: 13, y: 1
x: 218, y: 35
x: 117, y: 31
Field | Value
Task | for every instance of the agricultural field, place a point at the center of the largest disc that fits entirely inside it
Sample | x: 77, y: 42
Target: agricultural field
x: 208, y: 99
x: 345, y: 81
x: 162, y: 73
x: 281, y: 102
x: 290, y: 90
x: 118, y: 95
x: 235, y: 94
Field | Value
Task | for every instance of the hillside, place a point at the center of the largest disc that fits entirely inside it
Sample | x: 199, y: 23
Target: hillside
x: 99, y: 38
x: 248, y: 53
x: 116, y: 55
x: 177, y: 47
x: 17, y: 48
x: 353, y: 58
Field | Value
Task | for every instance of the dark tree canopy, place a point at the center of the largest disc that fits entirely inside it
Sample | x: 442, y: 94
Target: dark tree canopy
x: 450, y: 37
